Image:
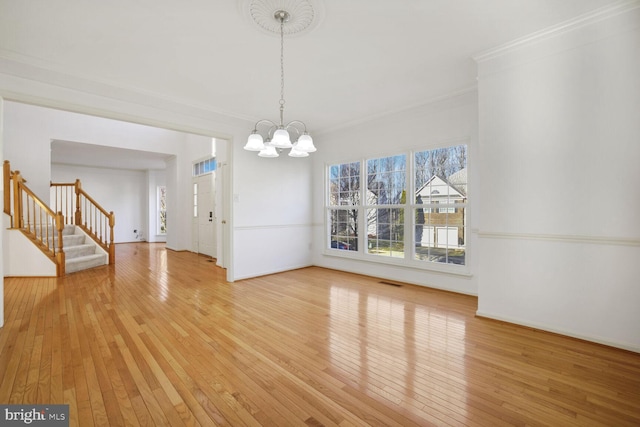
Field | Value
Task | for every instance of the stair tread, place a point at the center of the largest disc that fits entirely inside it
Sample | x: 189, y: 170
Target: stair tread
x: 84, y: 258
x: 81, y: 245
x: 85, y: 262
x: 77, y: 251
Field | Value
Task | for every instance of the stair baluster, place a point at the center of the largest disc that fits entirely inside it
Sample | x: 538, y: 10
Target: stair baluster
x: 87, y: 214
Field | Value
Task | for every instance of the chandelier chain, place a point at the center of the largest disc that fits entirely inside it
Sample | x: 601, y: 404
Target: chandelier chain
x: 281, y: 70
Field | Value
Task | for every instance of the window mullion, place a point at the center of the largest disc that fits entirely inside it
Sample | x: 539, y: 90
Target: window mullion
x: 409, y: 211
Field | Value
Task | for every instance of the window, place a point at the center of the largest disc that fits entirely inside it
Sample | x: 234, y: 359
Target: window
x: 195, y: 199
x: 205, y: 166
x: 428, y: 227
x: 344, y: 201
x: 162, y: 209
x: 440, y: 178
x: 386, y: 199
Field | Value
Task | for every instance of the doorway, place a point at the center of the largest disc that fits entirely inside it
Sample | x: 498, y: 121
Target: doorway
x: 204, y: 211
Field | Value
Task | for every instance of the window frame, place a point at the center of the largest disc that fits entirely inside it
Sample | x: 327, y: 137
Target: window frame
x: 409, y: 260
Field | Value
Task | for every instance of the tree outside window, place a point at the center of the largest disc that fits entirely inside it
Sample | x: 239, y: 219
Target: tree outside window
x: 162, y: 209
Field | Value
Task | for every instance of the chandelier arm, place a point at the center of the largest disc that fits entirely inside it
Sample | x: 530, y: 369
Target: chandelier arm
x: 288, y: 128
x: 259, y: 122
x: 292, y: 122
x: 269, y: 132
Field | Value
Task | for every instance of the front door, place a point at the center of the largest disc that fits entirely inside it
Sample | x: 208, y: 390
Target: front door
x: 205, y: 223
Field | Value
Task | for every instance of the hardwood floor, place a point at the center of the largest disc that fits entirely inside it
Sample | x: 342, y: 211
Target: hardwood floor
x: 162, y: 339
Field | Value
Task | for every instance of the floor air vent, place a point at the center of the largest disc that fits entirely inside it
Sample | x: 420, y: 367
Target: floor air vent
x: 390, y: 283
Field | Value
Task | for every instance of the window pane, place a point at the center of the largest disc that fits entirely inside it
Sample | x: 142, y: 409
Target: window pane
x: 162, y: 210
x: 344, y: 184
x: 385, y: 232
x: 449, y: 165
x: 441, y: 237
x: 386, y: 180
x: 195, y: 199
x: 344, y: 229
x: 205, y: 166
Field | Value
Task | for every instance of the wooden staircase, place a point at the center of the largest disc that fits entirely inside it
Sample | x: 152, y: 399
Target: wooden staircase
x: 75, y: 235
x: 81, y: 253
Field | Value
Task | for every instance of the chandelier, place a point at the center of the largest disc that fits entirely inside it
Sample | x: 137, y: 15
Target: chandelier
x: 276, y: 137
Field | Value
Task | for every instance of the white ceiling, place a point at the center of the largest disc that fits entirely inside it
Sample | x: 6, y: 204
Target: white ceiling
x: 363, y: 59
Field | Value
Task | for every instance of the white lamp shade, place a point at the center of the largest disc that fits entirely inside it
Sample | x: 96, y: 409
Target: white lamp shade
x: 254, y: 142
x: 305, y: 144
x: 281, y: 139
x: 269, y: 151
x: 297, y: 153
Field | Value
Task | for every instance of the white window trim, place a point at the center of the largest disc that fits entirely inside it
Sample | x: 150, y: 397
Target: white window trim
x: 408, y: 260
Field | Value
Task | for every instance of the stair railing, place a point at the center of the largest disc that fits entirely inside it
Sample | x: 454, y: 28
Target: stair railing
x: 33, y: 217
x: 78, y: 208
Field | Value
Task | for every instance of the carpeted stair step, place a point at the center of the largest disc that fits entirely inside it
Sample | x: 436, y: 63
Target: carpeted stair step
x: 84, y: 262
x: 68, y: 229
x: 77, y: 251
x: 72, y: 240
x: 69, y: 240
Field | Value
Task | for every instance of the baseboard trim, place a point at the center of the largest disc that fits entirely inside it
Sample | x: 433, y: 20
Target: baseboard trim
x: 548, y: 328
x: 270, y: 272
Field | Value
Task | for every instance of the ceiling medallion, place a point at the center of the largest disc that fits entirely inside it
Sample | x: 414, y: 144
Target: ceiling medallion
x: 302, y: 15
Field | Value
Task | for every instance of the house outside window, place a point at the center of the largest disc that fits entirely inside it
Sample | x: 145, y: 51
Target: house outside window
x: 440, y: 177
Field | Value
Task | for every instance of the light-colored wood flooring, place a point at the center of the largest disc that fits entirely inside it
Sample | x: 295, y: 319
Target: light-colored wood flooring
x: 163, y: 339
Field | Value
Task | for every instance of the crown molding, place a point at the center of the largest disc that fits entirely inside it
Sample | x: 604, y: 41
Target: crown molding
x: 592, y: 17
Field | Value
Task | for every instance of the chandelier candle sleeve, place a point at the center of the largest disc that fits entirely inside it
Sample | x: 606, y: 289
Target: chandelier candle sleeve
x: 278, y: 136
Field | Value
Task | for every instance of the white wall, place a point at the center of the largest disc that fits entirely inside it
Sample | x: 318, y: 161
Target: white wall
x: 172, y: 203
x: 448, y: 121
x: 559, y: 163
x: 3, y: 224
x: 122, y: 191
x: 272, y: 214
x: 24, y: 258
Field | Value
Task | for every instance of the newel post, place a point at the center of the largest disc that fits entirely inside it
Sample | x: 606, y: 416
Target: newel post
x: 60, y: 256
x: 112, y: 247
x: 6, y: 182
x: 78, y: 215
x: 18, y: 221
